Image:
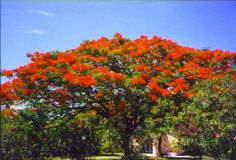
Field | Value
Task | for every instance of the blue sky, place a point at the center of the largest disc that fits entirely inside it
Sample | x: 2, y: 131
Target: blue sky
x: 46, y: 26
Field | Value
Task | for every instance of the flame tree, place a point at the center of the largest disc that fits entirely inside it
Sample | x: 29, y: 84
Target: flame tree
x: 120, y: 79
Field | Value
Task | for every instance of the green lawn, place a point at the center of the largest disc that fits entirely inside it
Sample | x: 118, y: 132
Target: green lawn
x: 115, y: 157
x: 119, y: 157
x: 107, y: 157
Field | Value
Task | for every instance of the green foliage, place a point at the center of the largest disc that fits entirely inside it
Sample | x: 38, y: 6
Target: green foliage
x: 145, y: 83
x: 29, y: 136
x: 12, y: 145
x: 217, y: 148
x: 109, y: 138
x: 212, y: 113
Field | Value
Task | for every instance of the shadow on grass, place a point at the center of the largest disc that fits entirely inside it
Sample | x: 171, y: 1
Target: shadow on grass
x: 117, y: 156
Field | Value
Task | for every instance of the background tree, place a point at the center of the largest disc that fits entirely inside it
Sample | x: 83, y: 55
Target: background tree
x: 212, y: 112
x: 124, y: 81
x: 109, y: 138
x: 26, y: 134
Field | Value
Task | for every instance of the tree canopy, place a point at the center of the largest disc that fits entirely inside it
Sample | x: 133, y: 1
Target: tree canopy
x: 122, y: 80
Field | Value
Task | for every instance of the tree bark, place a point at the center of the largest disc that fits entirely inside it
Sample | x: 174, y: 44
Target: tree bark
x: 159, y: 145
x: 126, y: 146
x: 233, y: 154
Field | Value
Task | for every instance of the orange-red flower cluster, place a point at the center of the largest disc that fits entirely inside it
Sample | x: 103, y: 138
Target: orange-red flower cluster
x: 35, y: 109
x: 79, y: 68
x: 141, y: 67
x: 38, y: 76
x: 69, y: 77
x: 151, y: 96
x: 188, y: 94
x: 117, y: 77
x: 179, y: 85
x: 99, y: 95
x: 7, y: 73
x: 7, y: 113
x: 85, y: 81
x: 66, y: 58
x: 167, y: 72
x: 102, y: 70
x: 138, y: 80
x: 154, y: 64
x: 157, y: 89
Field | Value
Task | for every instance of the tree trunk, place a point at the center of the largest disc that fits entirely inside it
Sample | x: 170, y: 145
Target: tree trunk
x: 233, y: 154
x: 126, y: 146
x: 159, y: 146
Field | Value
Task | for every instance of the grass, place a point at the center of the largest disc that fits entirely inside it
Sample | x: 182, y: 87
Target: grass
x: 107, y: 156
x: 115, y: 157
x: 98, y: 157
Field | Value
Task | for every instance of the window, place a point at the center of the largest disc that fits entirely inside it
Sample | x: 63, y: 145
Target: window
x: 148, y: 145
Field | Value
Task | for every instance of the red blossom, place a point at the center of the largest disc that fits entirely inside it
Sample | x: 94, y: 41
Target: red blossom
x: 61, y: 91
x: 138, y: 80
x: 118, y: 36
x: 234, y: 138
x: 135, y: 53
x: 102, y: 70
x: 7, y: 113
x: 35, y: 109
x: 146, y: 75
x: 85, y: 81
x: 154, y: 86
x: 167, y: 72
x: 117, y: 77
x: 216, y: 135
x: 7, y: 73
x: 99, y: 95
x: 151, y: 96
x: 179, y: 80
x: 38, y: 76
x: 79, y: 68
x: 25, y: 92
x: 187, y: 94
x: 69, y: 76
x: 157, y: 68
x: 165, y: 92
x: 140, y: 67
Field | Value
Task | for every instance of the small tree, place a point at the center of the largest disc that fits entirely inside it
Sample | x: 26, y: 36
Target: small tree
x: 26, y: 134
x: 122, y: 80
x: 212, y: 112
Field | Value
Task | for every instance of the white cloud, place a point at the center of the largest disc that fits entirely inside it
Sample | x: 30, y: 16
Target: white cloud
x: 35, y: 31
x: 41, y: 12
